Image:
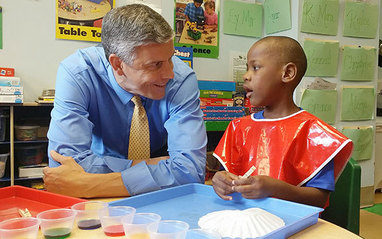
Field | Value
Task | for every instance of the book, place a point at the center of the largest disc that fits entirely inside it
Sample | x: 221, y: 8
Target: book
x: 31, y: 171
x: 217, y: 109
x: 45, y: 101
x: 9, y: 81
x: 215, y: 102
x: 7, y: 71
x: 11, y: 98
x: 11, y: 90
x: 217, y: 85
x: 216, y: 94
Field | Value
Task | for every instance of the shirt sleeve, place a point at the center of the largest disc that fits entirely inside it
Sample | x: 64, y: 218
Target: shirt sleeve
x: 324, y: 179
x: 187, y: 140
x: 70, y: 130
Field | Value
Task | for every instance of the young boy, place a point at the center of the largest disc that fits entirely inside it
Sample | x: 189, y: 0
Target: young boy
x: 193, y: 10
x: 295, y: 155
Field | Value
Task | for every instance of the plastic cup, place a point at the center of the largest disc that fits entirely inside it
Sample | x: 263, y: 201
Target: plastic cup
x: 137, y: 228
x: 88, y: 214
x: 57, y: 223
x: 111, y: 219
x: 202, y: 234
x: 15, y: 228
x: 168, y: 229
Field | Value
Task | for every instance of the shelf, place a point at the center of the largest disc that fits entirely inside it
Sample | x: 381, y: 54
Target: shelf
x: 19, y: 114
x: 25, y: 179
x: 5, y: 179
x: 42, y: 140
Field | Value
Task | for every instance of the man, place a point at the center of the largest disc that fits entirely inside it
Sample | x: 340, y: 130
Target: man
x: 91, y: 119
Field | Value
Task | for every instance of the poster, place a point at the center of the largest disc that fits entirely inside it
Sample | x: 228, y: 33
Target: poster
x: 201, y: 33
x: 185, y: 54
x: 81, y: 20
x: 238, y: 67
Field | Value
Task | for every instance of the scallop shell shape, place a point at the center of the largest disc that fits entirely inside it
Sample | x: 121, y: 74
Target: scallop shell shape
x: 249, y: 223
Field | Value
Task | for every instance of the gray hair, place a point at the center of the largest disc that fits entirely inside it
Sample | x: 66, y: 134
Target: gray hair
x: 130, y: 26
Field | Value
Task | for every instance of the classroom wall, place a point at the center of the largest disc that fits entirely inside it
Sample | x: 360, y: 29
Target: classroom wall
x: 29, y: 44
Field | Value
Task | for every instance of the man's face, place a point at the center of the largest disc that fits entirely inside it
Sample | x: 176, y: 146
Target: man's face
x: 150, y: 71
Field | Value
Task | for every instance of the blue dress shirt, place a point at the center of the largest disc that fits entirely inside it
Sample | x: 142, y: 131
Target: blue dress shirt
x: 91, y: 119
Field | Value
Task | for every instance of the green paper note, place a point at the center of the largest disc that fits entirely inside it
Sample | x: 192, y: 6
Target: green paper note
x: 243, y: 19
x: 362, y: 138
x: 357, y: 103
x: 358, y: 63
x: 322, y: 57
x: 360, y: 19
x: 320, y: 16
x: 277, y: 16
x: 321, y: 103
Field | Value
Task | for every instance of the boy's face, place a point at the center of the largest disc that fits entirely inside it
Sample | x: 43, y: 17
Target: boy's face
x: 263, y: 78
x: 197, y: 4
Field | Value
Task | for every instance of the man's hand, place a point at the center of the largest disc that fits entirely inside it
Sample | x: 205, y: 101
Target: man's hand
x: 65, y: 179
x: 71, y: 179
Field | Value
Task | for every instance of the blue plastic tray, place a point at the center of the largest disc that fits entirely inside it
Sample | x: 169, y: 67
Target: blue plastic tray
x: 192, y: 201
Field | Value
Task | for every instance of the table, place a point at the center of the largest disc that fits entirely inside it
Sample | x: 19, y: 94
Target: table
x: 208, y: 38
x: 322, y: 229
x: 90, y: 12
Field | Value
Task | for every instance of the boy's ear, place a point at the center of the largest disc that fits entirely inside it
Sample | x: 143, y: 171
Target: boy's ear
x: 289, y: 72
x: 116, y: 64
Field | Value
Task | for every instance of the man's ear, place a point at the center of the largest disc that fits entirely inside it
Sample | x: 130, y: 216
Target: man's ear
x: 116, y: 63
x: 289, y: 72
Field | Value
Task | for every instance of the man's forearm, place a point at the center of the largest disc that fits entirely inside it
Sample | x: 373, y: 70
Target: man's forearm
x: 103, y: 185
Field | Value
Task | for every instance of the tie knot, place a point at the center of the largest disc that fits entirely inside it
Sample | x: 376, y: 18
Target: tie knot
x: 137, y: 100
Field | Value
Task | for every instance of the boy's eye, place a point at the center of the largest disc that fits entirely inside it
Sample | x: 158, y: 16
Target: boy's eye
x: 256, y: 68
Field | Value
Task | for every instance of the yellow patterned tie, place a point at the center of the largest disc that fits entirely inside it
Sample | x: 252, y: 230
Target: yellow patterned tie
x: 139, y: 142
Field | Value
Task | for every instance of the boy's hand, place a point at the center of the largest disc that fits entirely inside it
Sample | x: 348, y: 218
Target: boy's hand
x: 255, y: 186
x: 222, y: 183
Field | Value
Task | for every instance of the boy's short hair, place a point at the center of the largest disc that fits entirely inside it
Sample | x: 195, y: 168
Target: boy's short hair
x: 288, y: 49
x: 198, y: 1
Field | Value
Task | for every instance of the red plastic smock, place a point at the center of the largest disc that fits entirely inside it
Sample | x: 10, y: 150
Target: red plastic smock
x: 293, y: 149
